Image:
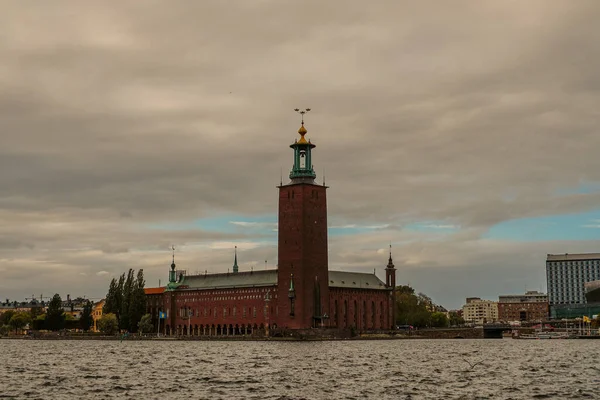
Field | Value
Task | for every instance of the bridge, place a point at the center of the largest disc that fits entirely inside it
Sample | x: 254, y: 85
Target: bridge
x: 494, y: 331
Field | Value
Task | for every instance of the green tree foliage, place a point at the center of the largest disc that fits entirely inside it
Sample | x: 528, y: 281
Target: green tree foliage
x: 417, y: 310
x: 110, y: 303
x: 19, y: 321
x: 455, y: 319
x: 86, y: 320
x: 439, y: 320
x: 6, y: 316
x: 36, y: 312
x: 410, y: 308
x: 108, y: 324
x: 137, y: 301
x: 127, y: 300
x: 145, y: 324
x: 124, y: 318
x: 4, y: 329
x: 55, y: 315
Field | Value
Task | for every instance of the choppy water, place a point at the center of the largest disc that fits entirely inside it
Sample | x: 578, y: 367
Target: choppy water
x: 402, y: 369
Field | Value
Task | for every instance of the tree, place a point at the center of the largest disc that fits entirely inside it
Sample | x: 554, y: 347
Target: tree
x: 36, y: 312
x: 455, y: 319
x: 19, y: 320
x: 145, y: 324
x: 137, y: 301
x: 439, y: 320
x: 6, y: 316
x: 417, y: 309
x: 108, y: 324
x: 110, y: 303
x: 4, y: 329
x: 124, y: 319
x: 55, y: 315
x: 86, y: 320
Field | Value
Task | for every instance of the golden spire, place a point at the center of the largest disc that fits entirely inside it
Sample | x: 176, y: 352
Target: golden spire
x: 302, y: 131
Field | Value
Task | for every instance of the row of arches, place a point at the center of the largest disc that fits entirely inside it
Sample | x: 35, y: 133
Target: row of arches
x: 217, y: 329
x: 361, y: 314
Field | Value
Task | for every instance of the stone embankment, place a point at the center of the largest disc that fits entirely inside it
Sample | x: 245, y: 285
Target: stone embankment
x: 302, y: 335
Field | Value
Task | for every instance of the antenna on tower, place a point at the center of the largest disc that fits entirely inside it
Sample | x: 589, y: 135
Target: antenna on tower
x: 280, y: 176
x: 323, y: 176
x: 173, y: 248
x: 302, y: 112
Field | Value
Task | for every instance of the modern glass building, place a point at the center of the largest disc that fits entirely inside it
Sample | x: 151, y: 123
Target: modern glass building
x: 566, y: 275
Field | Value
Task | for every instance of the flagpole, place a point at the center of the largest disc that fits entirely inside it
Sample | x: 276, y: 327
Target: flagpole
x: 158, y: 333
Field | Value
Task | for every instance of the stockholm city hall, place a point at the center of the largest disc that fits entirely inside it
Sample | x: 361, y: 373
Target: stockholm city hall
x: 301, y: 294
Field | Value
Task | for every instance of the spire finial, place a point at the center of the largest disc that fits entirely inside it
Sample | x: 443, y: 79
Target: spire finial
x: 173, y: 248
x: 390, y: 262
x: 302, y: 131
x: 235, y: 264
x: 302, y: 112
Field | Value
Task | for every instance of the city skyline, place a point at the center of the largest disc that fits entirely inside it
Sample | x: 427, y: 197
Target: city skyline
x: 464, y: 134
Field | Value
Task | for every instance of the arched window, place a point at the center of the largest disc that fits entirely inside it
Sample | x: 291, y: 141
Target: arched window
x: 381, y: 316
x: 234, y: 311
x: 355, y: 314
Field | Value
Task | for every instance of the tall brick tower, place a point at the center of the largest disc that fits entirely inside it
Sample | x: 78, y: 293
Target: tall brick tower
x: 303, y: 282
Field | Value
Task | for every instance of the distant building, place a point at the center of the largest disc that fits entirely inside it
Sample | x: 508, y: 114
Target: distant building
x: 531, y: 306
x: 566, y: 275
x: 97, y: 313
x: 479, y: 311
x: 19, y: 306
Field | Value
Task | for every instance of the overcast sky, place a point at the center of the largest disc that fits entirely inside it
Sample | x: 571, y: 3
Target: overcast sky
x: 466, y: 133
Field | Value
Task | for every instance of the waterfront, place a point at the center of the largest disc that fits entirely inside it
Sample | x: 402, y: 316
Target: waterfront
x: 416, y: 369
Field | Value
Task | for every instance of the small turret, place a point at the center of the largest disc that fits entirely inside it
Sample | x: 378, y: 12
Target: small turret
x: 172, y: 273
x: 390, y: 272
x: 302, y: 171
x: 235, y: 264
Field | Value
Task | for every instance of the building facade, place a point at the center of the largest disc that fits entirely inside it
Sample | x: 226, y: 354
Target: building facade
x: 566, y: 275
x: 478, y: 311
x: 97, y: 314
x: 531, y: 306
x: 302, y: 293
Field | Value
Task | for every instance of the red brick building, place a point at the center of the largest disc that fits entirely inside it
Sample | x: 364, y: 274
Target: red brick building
x: 300, y: 294
x: 531, y: 306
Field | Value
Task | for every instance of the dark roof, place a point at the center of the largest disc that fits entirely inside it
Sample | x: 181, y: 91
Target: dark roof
x: 340, y: 279
x: 355, y: 280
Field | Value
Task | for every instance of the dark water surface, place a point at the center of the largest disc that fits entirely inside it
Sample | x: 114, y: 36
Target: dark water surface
x: 401, y: 369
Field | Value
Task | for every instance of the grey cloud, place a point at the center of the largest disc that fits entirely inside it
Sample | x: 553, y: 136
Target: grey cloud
x: 131, y: 115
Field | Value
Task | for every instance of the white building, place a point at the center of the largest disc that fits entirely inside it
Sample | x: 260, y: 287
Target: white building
x: 479, y: 311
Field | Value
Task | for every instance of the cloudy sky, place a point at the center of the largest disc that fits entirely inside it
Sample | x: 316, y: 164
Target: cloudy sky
x: 466, y: 133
